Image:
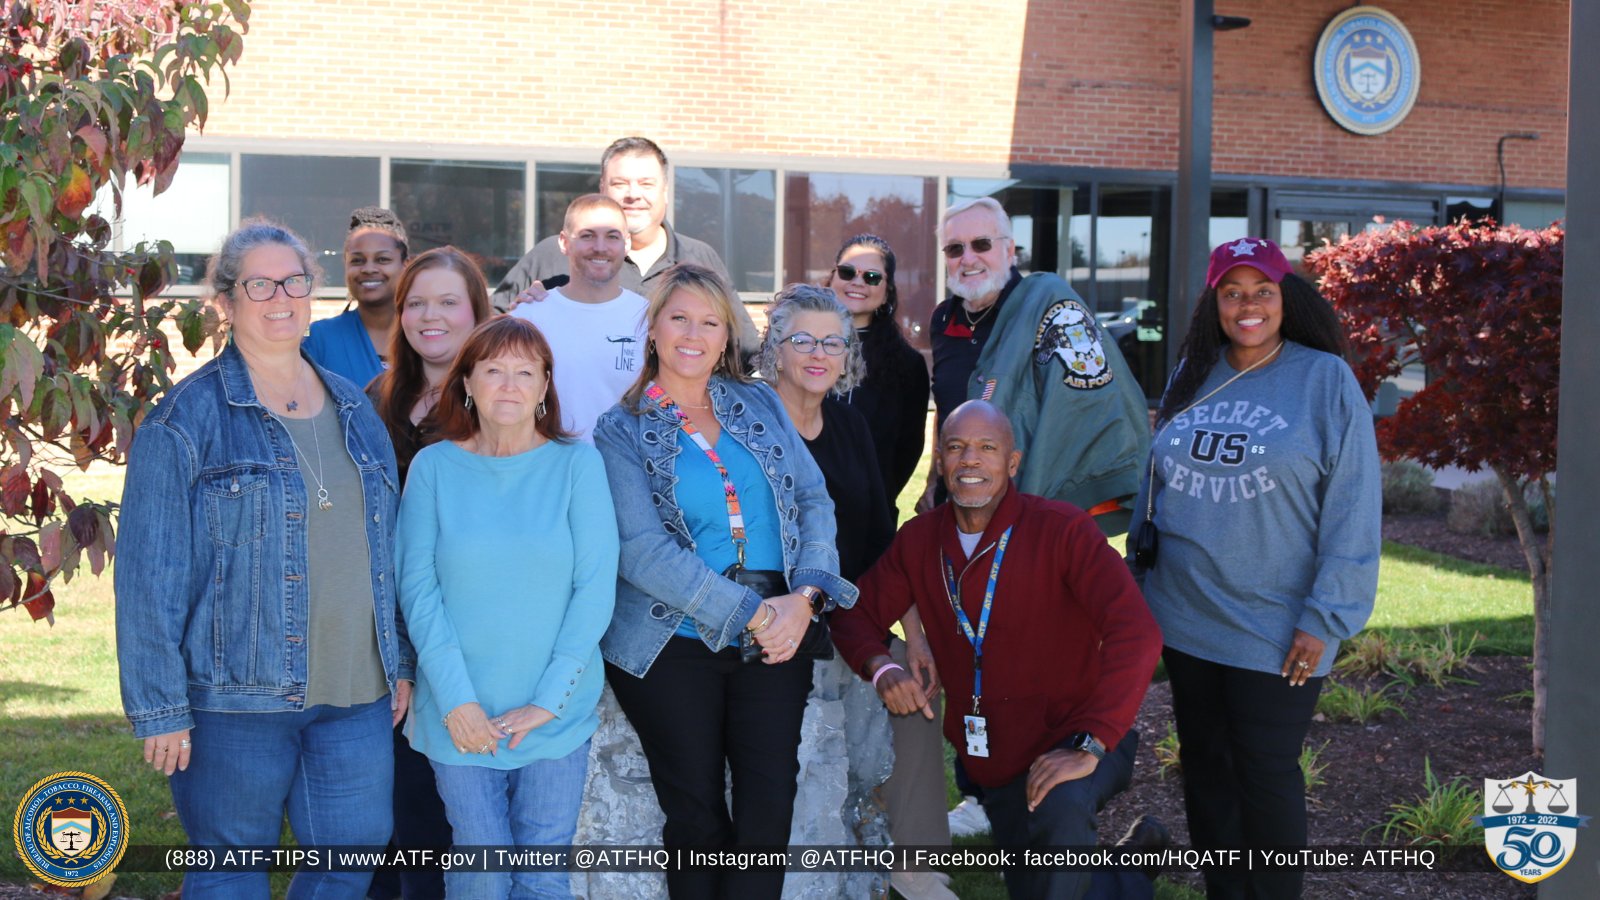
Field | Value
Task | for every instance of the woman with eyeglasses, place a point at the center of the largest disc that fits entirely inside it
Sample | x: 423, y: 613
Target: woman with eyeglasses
x: 812, y: 356
x: 356, y: 342
x: 727, y: 555
x: 892, y: 394
x: 262, y: 664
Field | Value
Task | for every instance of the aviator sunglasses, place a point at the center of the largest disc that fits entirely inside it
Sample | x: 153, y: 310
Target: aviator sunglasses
x: 979, y: 245
x: 872, y: 277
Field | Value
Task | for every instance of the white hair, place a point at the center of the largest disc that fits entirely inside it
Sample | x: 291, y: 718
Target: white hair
x: 1002, y: 221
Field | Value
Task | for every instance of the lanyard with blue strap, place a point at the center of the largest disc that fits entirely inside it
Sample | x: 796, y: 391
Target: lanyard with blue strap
x: 975, y: 638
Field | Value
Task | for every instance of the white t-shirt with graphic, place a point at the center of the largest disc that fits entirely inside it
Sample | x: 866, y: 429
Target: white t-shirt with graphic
x: 598, y: 348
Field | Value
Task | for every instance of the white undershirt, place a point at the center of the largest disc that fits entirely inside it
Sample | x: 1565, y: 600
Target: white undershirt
x: 969, y: 542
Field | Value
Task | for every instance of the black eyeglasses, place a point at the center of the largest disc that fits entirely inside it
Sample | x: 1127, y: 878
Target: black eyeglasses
x: 805, y: 343
x: 872, y: 277
x: 263, y: 289
x: 979, y: 245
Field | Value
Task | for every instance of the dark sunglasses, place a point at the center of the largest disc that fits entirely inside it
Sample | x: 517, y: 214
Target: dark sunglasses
x: 979, y: 245
x: 872, y: 277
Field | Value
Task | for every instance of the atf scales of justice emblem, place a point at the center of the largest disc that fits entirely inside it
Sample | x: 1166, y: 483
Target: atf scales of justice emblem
x: 1533, y: 843
x: 1069, y: 332
x: 71, y: 829
x: 1367, y: 70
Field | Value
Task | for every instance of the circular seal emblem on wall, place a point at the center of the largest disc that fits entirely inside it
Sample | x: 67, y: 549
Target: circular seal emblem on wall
x: 71, y: 828
x: 1367, y: 70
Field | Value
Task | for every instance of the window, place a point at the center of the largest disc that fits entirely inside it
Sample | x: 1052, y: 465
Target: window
x: 192, y: 213
x: 475, y: 206
x: 1131, y: 252
x: 556, y: 186
x: 735, y: 211
x: 823, y: 209
x: 312, y: 195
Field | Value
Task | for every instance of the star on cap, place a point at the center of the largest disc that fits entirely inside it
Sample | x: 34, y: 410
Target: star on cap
x: 1243, y: 248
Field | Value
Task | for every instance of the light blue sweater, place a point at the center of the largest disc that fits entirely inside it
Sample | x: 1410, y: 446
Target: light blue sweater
x: 1269, y: 505
x: 508, y: 572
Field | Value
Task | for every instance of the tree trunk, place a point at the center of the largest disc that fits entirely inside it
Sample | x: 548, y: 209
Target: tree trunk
x: 1537, y: 554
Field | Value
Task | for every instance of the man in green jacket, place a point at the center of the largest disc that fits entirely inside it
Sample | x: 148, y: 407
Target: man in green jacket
x: 1031, y: 347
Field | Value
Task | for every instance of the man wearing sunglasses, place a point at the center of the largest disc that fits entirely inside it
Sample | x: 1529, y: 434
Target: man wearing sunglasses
x: 633, y: 172
x: 1032, y: 348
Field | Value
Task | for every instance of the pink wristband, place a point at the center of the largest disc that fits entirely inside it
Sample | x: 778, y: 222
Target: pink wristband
x: 885, y: 668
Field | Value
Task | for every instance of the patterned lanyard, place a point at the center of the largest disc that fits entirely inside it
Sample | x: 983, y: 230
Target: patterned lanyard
x: 953, y: 591
x: 735, y: 516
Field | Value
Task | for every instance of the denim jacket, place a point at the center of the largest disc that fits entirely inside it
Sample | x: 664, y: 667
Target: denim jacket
x: 660, y: 579
x: 212, y: 597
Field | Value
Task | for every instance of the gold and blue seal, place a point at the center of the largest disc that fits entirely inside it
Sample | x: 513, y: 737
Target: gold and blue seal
x: 71, y: 828
x: 1367, y: 70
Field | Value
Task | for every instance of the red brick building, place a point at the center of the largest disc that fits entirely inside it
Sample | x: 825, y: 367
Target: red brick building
x: 791, y: 125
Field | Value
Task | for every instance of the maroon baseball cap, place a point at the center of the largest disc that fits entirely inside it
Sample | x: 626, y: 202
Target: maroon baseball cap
x: 1257, y: 253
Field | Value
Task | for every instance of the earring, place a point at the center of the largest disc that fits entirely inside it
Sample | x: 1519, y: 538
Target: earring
x: 777, y: 366
x: 469, y: 401
x: 538, y: 412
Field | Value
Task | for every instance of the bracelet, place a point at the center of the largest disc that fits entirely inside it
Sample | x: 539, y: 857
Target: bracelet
x: 766, y: 620
x: 886, y: 667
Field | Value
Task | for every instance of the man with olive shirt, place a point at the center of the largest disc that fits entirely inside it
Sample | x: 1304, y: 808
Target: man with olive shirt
x: 1030, y: 587
x: 1032, y: 348
x: 633, y: 172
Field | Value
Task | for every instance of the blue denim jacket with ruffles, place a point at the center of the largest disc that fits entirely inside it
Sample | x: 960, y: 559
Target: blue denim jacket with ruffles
x: 211, y: 582
x: 660, y: 578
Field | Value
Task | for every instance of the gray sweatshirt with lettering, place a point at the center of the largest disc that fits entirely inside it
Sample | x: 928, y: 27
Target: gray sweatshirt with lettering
x: 1268, y: 499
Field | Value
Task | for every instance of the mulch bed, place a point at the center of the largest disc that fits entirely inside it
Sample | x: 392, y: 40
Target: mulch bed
x: 1467, y: 730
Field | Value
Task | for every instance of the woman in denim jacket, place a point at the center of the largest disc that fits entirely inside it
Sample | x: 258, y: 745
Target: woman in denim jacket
x: 672, y: 655
x: 262, y: 661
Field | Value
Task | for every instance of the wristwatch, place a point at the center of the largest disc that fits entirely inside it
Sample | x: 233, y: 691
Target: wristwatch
x: 1088, y: 743
x: 816, y: 597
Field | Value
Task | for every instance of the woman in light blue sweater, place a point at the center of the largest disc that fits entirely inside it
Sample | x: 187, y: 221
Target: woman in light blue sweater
x: 1265, y: 494
x: 508, y: 567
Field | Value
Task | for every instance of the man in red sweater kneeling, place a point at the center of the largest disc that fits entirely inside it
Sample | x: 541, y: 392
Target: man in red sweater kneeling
x: 1043, y: 642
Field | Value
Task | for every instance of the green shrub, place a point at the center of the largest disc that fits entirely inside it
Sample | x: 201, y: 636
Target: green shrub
x: 1443, y: 816
x: 1166, y: 751
x: 1312, y: 766
x: 1368, y: 653
x: 1342, y: 703
x: 1408, y: 488
x: 1480, y: 508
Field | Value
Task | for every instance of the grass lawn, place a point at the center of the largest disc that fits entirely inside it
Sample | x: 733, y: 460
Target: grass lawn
x: 60, y: 709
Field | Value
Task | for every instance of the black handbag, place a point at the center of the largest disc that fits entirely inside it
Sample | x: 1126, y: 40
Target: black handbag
x: 768, y: 583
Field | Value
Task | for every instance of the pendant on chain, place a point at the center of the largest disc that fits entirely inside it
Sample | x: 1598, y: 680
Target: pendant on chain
x: 323, y: 503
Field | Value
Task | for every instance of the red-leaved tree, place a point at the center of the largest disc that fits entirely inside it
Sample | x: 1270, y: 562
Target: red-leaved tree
x: 93, y: 93
x: 1480, y: 306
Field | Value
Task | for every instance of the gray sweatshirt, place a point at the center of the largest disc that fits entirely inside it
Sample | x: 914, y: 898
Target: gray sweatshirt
x: 1268, y: 499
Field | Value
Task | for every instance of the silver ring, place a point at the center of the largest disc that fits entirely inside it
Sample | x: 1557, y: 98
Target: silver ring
x: 484, y: 749
x: 508, y: 728
x: 791, y: 643
x: 500, y: 724
x: 1303, y: 664
x: 184, y: 743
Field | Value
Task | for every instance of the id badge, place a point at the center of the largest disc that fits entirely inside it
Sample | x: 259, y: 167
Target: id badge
x: 977, y: 736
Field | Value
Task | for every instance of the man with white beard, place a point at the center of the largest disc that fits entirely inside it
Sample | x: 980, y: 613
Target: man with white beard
x: 1031, y: 347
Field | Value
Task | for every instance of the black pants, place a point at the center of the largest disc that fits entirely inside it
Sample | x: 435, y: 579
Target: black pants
x: 698, y: 715
x: 1240, y: 735
x: 1067, y: 817
x: 419, y: 823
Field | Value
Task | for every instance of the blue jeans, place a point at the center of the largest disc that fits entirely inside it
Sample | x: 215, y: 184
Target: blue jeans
x: 534, y: 806
x: 331, y: 768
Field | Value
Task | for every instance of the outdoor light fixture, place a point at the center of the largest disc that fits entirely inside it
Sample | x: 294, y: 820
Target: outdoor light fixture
x: 1500, y: 157
x: 1229, y: 23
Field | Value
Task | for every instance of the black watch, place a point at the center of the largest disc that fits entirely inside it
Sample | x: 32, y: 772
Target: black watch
x: 1088, y: 743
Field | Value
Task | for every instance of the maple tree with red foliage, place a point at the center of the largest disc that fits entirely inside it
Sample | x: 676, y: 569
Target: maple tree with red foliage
x: 1479, y: 305
x: 94, y: 94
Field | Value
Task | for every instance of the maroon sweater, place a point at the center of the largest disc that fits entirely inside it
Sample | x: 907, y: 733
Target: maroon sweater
x: 1070, y: 646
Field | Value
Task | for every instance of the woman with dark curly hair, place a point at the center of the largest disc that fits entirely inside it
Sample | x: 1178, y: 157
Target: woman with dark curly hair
x: 1259, y: 547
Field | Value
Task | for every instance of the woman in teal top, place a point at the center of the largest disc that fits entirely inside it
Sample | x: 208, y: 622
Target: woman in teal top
x: 508, y: 567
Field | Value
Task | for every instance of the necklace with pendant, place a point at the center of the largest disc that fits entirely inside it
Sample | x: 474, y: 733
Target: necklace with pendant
x: 324, y: 503
x: 972, y: 324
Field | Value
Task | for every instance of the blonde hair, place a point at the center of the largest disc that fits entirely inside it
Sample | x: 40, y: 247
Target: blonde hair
x: 710, y: 287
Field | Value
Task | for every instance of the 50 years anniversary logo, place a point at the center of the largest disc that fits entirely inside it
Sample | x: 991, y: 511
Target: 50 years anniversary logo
x: 70, y: 829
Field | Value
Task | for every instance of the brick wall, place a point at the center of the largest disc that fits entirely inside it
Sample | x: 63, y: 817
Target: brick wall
x: 983, y: 81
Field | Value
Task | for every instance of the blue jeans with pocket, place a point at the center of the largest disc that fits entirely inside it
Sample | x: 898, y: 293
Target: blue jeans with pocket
x: 331, y: 768
x: 533, y: 806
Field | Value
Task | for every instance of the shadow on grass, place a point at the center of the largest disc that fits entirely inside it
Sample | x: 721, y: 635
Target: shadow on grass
x: 11, y: 691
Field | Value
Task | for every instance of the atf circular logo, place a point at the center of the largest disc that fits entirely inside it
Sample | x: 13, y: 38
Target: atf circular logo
x: 1367, y: 70
x: 71, y: 828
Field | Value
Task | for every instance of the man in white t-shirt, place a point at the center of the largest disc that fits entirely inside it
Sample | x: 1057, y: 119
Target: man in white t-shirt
x: 595, y: 326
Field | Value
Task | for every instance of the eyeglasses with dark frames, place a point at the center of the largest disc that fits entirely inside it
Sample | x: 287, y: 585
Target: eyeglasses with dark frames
x: 955, y: 249
x: 263, y: 289
x: 872, y: 277
x: 805, y: 343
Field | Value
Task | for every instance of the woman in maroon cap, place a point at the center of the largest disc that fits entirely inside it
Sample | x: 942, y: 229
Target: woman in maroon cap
x: 1264, y: 492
